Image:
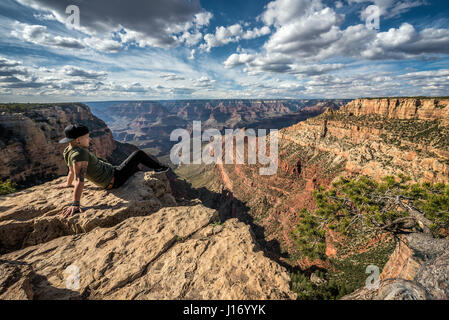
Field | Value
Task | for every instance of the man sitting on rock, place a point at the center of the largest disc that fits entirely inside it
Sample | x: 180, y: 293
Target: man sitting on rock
x: 84, y: 164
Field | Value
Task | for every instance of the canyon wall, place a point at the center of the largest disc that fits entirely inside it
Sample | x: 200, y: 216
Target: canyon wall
x: 149, y: 124
x: 379, y: 137
x: 374, y: 137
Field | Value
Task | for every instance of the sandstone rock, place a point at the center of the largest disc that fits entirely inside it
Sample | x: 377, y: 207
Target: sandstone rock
x: 401, y: 108
x: 129, y: 245
x: 33, y: 216
x: 417, y: 270
x: 15, y: 281
x: 379, y: 137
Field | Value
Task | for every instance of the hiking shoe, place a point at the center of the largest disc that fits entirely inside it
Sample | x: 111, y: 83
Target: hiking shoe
x: 162, y: 169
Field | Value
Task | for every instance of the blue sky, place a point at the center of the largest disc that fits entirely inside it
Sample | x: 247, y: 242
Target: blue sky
x: 191, y: 49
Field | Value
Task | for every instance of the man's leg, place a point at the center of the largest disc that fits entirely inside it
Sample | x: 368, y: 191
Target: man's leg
x: 147, y: 160
x: 131, y: 166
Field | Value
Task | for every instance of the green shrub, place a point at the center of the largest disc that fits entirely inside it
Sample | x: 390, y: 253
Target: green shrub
x: 362, y: 208
x: 7, y: 187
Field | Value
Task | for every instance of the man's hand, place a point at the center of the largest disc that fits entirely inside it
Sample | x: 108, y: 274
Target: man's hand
x: 70, y: 211
x: 63, y: 186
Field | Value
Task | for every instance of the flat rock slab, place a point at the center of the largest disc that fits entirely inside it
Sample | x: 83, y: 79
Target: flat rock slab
x: 175, y: 253
x: 33, y: 216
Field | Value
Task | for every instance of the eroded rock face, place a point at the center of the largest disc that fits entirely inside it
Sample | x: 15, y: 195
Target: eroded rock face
x: 379, y: 137
x: 373, y: 137
x: 402, y: 108
x: 417, y: 270
x: 149, y: 124
x: 29, y: 150
x: 133, y: 243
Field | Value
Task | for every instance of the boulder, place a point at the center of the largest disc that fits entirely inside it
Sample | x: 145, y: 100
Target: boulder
x: 418, y: 269
x: 33, y: 216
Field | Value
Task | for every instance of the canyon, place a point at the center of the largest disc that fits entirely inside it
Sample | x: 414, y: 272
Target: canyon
x: 372, y: 137
x: 148, y: 124
x: 227, y: 225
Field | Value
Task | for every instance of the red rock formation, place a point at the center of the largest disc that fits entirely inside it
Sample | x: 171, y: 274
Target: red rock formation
x: 402, y: 108
x: 368, y: 136
x: 417, y: 270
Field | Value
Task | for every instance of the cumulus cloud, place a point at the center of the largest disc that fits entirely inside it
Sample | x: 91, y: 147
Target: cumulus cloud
x: 236, y: 59
x: 203, y: 82
x: 256, y: 33
x: 82, y: 73
x: 10, y: 68
x: 405, y: 42
x: 171, y: 77
x: 38, y: 34
x: 203, y: 18
x: 234, y: 33
x: 192, y: 54
x: 308, y: 32
x: 154, y: 23
x: 222, y: 36
x: 191, y: 38
x: 317, y: 30
x: 379, y: 84
x: 13, y: 75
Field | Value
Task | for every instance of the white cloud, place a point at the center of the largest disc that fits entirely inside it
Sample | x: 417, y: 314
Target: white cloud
x: 308, y: 32
x: 171, y: 77
x: 82, y: 73
x: 235, y: 60
x: 390, y: 8
x: 282, y: 12
x: 318, y: 29
x: 234, y: 33
x: 154, y: 23
x: 203, y: 82
x: 191, y: 39
x: 40, y: 35
x: 256, y: 33
x: 192, y: 54
x: 203, y: 18
x: 406, y: 42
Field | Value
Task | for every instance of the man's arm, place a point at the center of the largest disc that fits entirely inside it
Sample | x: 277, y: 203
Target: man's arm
x: 80, y: 170
x: 69, y: 182
x: 79, y: 173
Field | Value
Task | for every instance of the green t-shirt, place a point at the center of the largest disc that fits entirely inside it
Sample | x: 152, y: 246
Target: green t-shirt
x: 98, y: 171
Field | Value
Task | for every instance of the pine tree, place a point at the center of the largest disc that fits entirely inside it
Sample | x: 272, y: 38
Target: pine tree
x: 393, y: 205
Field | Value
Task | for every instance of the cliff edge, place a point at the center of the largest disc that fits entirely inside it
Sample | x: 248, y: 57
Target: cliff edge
x: 136, y: 242
x: 418, y: 269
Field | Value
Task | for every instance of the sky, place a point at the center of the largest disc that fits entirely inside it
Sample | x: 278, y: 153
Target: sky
x: 213, y: 49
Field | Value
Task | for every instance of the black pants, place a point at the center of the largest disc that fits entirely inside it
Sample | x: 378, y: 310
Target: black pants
x: 130, y: 166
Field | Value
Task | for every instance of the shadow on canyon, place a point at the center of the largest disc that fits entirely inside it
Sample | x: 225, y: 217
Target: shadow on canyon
x: 228, y: 207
